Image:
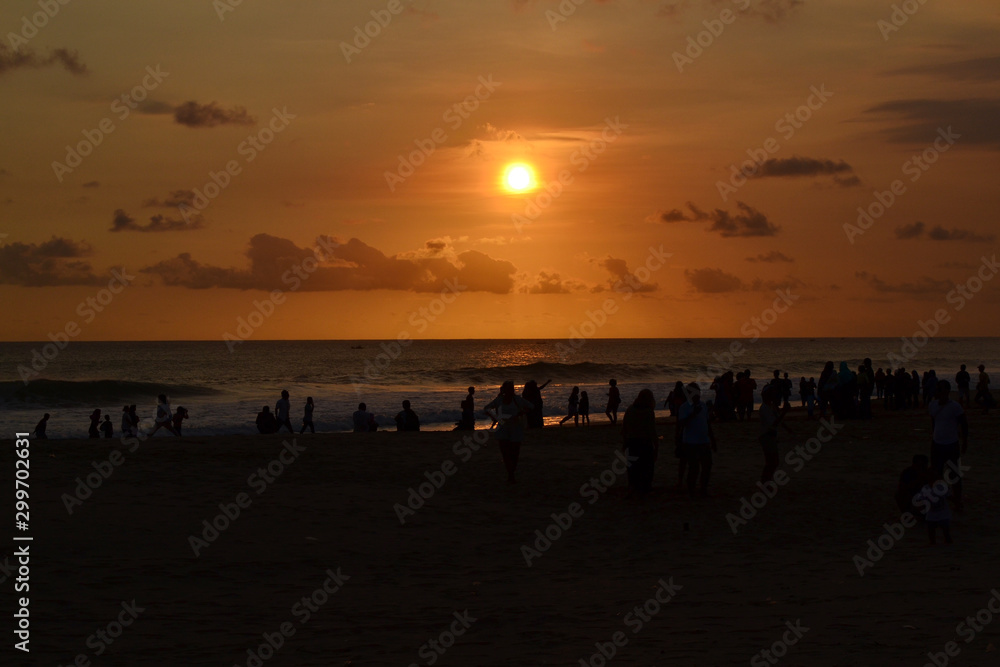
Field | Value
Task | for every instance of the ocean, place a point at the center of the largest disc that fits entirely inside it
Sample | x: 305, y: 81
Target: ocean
x: 223, y: 391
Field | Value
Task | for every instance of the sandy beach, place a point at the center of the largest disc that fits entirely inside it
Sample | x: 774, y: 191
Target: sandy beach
x: 319, y: 560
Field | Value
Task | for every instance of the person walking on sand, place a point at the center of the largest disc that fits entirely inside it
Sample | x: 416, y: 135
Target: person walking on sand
x: 950, y: 428
x: 164, y: 418
x: 614, y: 400
x: 107, y: 428
x: 983, y: 395
x: 771, y: 416
x: 307, y: 418
x: 640, y: 442
x: 584, y: 408
x: 698, y: 440
x: 40, y: 427
x: 574, y: 407
x: 963, y: 380
x: 282, y: 412
x: 509, y: 411
x: 95, y: 424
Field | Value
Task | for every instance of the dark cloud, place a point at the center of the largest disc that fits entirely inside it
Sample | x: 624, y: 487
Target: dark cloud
x: 193, y: 114
x: 28, y: 59
x: 973, y: 119
x: 123, y: 222
x: 622, y: 278
x: 353, y: 265
x: 771, y: 257
x: 713, y: 281
x: 54, y: 262
x: 939, y: 233
x: 747, y: 222
x: 173, y: 200
x: 923, y: 287
x: 843, y: 173
x: 976, y: 69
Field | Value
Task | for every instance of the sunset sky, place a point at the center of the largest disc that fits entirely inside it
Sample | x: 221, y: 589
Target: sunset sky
x: 630, y: 127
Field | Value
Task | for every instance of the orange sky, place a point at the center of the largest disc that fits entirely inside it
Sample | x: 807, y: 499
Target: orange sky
x: 629, y: 128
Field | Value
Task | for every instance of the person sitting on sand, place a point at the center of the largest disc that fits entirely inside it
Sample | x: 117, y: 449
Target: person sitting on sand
x: 107, y: 428
x: 584, y: 408
x: 573, y: 410
x: 361, y: 418
x: 164, y: 418
x: 307, y: 417
x: 911, y: 481
x: 40, y: 427
x: 640, y: 442
x: 614, y: 400
x: 406, y: 419
x: 771, y: 416
x: 178, y: 419
x: 282, y: 412
x: 95, y: 424
x: 949, y: 426
x: 698, y: 440
x: 509, y: 413
x: 266, y: 423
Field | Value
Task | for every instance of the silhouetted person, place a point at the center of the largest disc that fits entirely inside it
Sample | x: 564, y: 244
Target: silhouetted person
x: 468, y: 420
x: 771, y: 415
x: 266, y: 423
x: 179, y: 418
x: 126, y: 423
x: 164, y: 418
x: 95, y: 424
x: 532, y: 393
x: 933, y: 499
x: 282, y: 412
x: 675, y: 399
x: 40, y: 427
x: 879, y: 383
x: 361, y: 419
x: 807, y: 389
x: 508, y: 411
x: 698, y: 440
x: 984, y: 397
x: 406, y: 419
x: 751, y: 387
x: 949, y: 428
x: 911, y: 481
x: 963, y: 381
x: 827, y: 384
x: 584, y: 407
x: 614, y: 400
x: 640, y: 442
x: 573, y: 407
x: 134, y: 416
x: 307, y: 417
x: 107, y: 428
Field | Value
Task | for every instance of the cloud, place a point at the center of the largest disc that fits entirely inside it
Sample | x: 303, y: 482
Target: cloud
x: 194, y: 114
x: 911, y: 231
x: 621, y: 277
x: 972, y: 120
x: 939, y: 233
x: 551, y: 283
x: 173, y: 200
x: 976, y: 69
x: 352, y: 265
x: 54, y: 262
x: 123, y: 222
x: 923, y: 287
x: 713, y: 281
x: 28, y: 59
x: 771, y: 257
x: 747, y: 222
x: 795, y: 166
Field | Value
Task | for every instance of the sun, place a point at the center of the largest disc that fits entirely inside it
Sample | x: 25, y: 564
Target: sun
x: 519, y: 177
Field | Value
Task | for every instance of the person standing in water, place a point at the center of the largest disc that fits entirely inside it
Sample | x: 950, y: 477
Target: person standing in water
x: 614, y: 400
x: 282, y: 410
x: 509, y: 412
x: 307, y: 418
x: 532, y: 393
x: 584, y: 408
x: 573, y: 411
x: 107, y: 428
x: 163, y: 417
x: 95, y: 424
